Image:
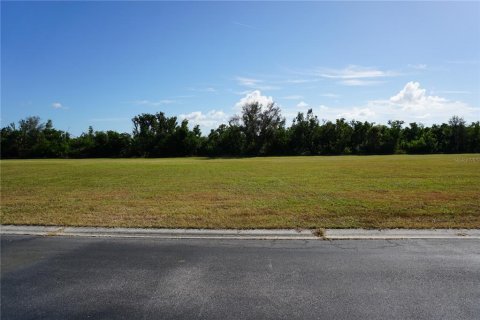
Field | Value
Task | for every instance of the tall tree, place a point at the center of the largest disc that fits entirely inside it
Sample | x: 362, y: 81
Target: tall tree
x: 259, y: 124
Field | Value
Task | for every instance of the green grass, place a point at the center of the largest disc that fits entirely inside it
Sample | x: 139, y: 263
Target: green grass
x: 441, y: 191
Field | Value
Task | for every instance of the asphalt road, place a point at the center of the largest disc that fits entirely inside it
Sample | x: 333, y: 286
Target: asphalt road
x: 100, y: 278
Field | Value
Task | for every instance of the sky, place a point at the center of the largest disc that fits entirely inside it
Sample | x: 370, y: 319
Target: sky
x: 101, y: 63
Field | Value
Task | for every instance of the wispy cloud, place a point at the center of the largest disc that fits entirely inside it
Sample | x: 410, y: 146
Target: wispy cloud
x: 240, y: 93
x: 300, y: 81
x: 207, y: 89
x: 330, y: 95
x: 354, y: 75
x: 360, y: 82
x: 463, y: 61
x: 253, y: 83
x: 247, y: 82
x: 355, y: 72
x: 420, y: 66
x: 153, y: 103
x: 58, y: 105
x: 244, y: 25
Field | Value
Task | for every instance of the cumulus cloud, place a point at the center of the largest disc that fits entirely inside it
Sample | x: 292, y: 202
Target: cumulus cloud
x: 413, y: 103
x: 412, y: 96
x: 252, y: 97
x: 410, y: 103
x: 210, y: 120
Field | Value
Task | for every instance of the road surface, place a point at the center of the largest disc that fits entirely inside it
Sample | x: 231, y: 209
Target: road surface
x: 100, y: 278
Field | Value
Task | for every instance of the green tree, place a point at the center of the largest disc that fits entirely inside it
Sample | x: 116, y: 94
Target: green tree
x: 259, y: 126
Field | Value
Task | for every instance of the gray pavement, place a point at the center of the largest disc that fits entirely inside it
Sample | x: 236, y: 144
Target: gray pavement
x: 44, y: 277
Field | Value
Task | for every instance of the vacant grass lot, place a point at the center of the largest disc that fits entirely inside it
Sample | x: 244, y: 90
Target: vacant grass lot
x: 440, y: 191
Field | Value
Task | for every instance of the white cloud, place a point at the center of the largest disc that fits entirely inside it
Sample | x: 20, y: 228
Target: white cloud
x: 302, y: 104
x: 243, y: 25
x: 420, y: 66
x: 354, y: 75
x: 413, y: 97
x: 248, y: 82
x: 153, y: 103
x: 359, y: 82
x: 255, y: 84
x: 298, y: 81
x: 410, y: 103
x: 357, y: 113
x: 207, y: 89
x: 330, y: 95
x: 413, y: 103
x: 464, y: 61
x: 210, y: 120
x: 58, y: 105
x: 254, y: 96
x: 411, y: 93
x: 356, y: 72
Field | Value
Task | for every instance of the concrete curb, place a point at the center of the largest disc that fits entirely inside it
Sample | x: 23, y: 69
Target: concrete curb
x: 254, y: 234
x: 281, y: 234
x: 345, y: 234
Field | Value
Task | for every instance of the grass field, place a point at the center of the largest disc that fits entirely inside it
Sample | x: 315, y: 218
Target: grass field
x: 402, y: 191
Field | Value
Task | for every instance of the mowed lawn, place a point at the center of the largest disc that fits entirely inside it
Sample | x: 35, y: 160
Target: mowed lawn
x: 404, y: 191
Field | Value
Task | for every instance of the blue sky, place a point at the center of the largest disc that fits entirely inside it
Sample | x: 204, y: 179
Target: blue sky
x: 101, y: 63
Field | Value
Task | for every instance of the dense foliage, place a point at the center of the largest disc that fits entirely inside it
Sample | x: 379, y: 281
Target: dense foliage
x: 258, y: 131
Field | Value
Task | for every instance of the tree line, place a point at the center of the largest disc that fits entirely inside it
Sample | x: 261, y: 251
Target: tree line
x: 257, y: 131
